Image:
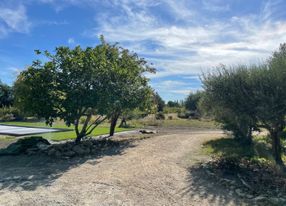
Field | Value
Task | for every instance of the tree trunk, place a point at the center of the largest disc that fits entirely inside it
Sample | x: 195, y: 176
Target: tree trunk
x: 114, y: 119
x: 82, y: 133
x: 123, y: 122
x: 78, y: 139
x: 249, y: 136
x: 276, y: 147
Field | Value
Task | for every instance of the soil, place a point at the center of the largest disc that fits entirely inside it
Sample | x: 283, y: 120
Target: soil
x: 153, y: 171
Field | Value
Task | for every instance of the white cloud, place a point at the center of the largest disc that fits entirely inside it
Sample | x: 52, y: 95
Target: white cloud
x: 216, y: 5
x: 71, y: 41
x: 188, y: 49
x: 13, y: 20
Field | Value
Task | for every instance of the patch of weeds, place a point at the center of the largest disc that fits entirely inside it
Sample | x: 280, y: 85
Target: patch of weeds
x: 230, y: 147
x: 7, y: 138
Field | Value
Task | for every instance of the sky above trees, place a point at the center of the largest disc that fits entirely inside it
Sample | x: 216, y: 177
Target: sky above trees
x: 181, y: 38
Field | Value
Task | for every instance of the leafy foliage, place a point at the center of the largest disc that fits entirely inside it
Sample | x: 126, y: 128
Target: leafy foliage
x: 80, y: 83
x: 247, y: 97
x: 160, y: 103
x: 6, y: 95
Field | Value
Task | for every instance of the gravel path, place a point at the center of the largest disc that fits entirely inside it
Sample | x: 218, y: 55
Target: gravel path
x: 154, y: 171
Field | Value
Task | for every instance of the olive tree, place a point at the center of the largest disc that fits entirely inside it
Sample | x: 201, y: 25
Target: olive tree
x: 269, y: 83
x: 227, y: 93
x: 251, y: 97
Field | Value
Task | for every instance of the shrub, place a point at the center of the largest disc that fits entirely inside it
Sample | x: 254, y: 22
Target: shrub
x: 10, y: 114
x: 160, y: 116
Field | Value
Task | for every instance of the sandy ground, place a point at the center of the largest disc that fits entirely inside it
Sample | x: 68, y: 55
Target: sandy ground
x: 157, y: 171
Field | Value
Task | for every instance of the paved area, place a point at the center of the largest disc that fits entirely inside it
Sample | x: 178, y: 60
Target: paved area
x: 20, y: 131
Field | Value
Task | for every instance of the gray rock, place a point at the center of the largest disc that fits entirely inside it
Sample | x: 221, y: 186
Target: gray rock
x: 31, y: 151
x: 79, y: 150
x: 274, y: 200
x: 52, y: 152
x: 260, y: 198
x: 41, y: 146
x: 282, y: 200
x: 58, y: 154
x: 249, y: 196
x: 87, y: 143
x: 146, y: 131
x: 240, y: 193
x: 69, y: 153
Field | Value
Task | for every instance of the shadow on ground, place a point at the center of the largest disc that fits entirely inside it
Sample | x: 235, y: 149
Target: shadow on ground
x: 202, y: 186
x: 230, y: 147
x: 25, y: 172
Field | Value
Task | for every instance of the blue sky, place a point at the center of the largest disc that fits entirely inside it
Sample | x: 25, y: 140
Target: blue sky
x: 182, y: 38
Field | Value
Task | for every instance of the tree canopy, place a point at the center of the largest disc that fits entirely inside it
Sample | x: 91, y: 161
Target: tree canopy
x: 245, y: 98
x: 80, y: 83
x: 6, y: 95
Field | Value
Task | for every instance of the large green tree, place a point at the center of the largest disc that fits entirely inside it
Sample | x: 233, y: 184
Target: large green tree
x: 124, y: 86
x: 159, y: 102
x: 80, y: 84
x: 65, y: 87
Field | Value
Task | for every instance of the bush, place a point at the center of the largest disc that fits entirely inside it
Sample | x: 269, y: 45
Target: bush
x: 10, y: 114
x: 160, y: 116
x: 189, y: 115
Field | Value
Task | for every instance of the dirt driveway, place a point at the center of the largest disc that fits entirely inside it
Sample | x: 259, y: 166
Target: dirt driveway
x: 155, y: 171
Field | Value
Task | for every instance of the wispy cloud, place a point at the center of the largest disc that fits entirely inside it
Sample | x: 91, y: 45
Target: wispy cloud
x: 71, y: 40
x: 13, y: 20
x: 193, y: 47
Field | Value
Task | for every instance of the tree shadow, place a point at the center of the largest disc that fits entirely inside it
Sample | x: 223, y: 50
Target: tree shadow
x: 231, y: 147
x: 202, y: 186
x: 23, y: 172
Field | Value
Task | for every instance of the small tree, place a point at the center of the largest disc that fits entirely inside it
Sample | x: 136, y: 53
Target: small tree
x: 65, y: 87
x: 248, y: 97
x: 159, y: 102
x: 226, y: 97
x: 192, y: 103
x: 6, y: 95
x: 270, y: 98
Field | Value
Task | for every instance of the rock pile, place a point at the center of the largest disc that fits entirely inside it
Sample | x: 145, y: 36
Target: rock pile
x: 30, y: 145
x: 87, y: 147
x: 40, y: 146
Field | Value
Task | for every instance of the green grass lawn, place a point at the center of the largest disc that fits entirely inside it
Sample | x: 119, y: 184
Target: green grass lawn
x: 59, y: 136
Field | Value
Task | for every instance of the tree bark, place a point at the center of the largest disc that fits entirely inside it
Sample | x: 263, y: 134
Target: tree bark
x: 114, y: 119
x: 82, y: 133
x: 249, y: 136
x: 123, y: 122
x: 78, y: 139
x: 276, y: 147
